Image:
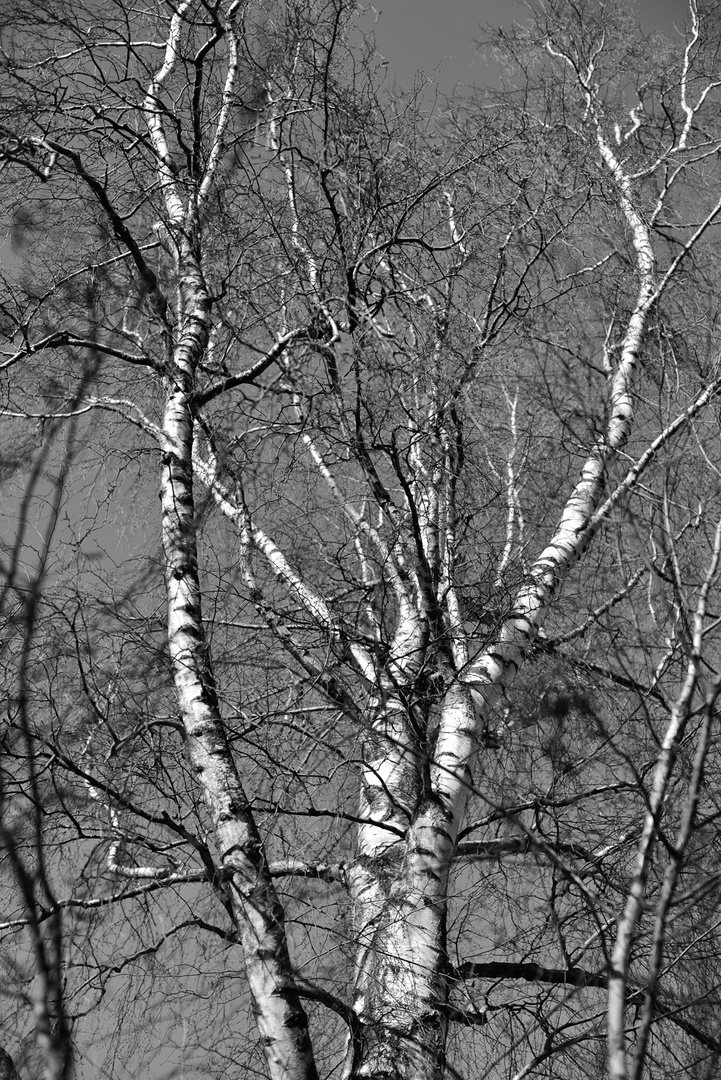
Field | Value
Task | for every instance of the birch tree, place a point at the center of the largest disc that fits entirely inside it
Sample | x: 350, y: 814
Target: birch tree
x: 382, y: 745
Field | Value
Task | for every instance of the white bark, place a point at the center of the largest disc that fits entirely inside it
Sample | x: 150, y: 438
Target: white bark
x: 281, y: 1020
x: 401, y: 987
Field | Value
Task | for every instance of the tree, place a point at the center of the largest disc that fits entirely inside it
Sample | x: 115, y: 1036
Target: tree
x: 381, y: 705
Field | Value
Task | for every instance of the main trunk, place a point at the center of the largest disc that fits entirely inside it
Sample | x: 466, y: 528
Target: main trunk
x: 399, y: 887
x: 401, y: 986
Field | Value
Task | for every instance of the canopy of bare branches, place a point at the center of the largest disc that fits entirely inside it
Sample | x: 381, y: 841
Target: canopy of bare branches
x: 360, y: 617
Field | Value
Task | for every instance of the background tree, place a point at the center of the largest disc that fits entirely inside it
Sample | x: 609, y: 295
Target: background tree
x: 382, y: 727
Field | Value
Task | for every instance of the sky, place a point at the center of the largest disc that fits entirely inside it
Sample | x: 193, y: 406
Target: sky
x: 418, y: 35
x: 439, y: 39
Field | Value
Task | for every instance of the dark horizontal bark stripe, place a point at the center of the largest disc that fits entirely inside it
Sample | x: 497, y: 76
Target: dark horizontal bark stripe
x: 531, y: 973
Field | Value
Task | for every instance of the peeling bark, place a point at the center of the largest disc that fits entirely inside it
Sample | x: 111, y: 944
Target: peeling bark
x: 400, y: 890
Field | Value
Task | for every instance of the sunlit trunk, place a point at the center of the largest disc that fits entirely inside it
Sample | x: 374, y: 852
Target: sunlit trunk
x: 399, y: 888
x: 281, y: 1020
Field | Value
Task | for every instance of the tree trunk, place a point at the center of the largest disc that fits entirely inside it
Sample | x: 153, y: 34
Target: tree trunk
x: 400, y: 890
x: 282, y: 1022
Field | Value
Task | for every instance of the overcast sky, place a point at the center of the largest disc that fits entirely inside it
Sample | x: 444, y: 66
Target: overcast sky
x: 417, y: 35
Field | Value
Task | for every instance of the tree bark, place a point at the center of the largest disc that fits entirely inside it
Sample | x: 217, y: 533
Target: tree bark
x: 281, y: 1020
x: 400, y: 890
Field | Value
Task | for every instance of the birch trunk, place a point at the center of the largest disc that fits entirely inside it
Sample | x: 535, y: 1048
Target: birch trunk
x: 400, y: 890
x: 282, y: 1023
x: 401, y: 977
